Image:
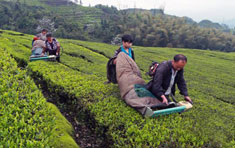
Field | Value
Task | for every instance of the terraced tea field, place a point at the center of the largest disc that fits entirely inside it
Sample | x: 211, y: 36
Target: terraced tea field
x: 79, y: 80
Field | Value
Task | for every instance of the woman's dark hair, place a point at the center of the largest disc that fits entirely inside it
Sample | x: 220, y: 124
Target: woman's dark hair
x: 179, y: 57
x: 127, y: 38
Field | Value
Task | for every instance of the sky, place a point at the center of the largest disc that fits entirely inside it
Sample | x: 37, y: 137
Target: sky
x: 220, y: 11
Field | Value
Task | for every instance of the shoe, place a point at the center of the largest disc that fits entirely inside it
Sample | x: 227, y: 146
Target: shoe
x: 148, y: 112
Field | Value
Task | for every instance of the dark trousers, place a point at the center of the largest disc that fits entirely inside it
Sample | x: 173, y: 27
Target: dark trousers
x: 53, y: 52
x: 167, y: 97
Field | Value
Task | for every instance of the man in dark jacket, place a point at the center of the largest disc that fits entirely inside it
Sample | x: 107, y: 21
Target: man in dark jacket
x: 168, y: 74
x: 126, y: 48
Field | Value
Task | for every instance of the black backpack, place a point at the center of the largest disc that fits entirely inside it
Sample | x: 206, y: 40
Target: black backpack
x: 151, y: 73
x: 111, y: 71
x: 152, y: 69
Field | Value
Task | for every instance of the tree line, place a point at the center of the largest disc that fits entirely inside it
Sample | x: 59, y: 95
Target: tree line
x: 147, y: 28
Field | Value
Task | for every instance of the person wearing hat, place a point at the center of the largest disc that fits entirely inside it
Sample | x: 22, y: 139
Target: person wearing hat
x: 38, y: 46
x: 42, y: 35
x: 52, y: 46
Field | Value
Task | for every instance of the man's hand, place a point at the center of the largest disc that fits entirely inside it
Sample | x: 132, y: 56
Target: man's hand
x: 57, y: 53
x: 187, y: 98
x: 164, y: 99
x: 42, y: 54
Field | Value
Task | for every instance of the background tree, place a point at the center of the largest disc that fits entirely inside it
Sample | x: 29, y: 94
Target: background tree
x: 103, y: 24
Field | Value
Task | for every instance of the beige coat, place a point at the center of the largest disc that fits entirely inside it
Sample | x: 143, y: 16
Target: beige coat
x: 128, y: 75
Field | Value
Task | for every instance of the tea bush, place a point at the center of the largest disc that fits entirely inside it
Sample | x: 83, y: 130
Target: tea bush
x: 209, y: 124
x: 27, y: 120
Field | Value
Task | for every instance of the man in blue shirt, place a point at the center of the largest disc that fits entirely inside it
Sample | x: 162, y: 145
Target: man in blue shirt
x: 127, y: 41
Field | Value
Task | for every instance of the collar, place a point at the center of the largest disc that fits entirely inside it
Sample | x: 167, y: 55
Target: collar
x: 129, y: 51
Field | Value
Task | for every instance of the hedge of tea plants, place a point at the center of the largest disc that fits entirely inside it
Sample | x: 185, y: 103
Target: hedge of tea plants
x: 27, y: 120
x: 81, y: 76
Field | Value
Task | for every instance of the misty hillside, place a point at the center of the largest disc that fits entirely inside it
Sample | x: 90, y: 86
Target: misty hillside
x: 107, y: 24
x: 231, y: 23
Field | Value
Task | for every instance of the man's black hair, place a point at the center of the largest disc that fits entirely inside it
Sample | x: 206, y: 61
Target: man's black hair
x: 49, y: 35
x: 127, y: 38
x: 179, y: 57
x: 44, y: 30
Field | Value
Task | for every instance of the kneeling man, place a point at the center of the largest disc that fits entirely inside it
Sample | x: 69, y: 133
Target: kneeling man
x: 169, y: 73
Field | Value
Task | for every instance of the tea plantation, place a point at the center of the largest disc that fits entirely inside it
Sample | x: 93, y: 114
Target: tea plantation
x: 27, y: 121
